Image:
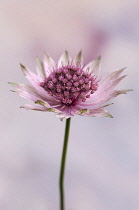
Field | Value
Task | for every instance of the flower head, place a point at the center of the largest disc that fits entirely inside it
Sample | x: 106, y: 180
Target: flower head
x: 69, y: 88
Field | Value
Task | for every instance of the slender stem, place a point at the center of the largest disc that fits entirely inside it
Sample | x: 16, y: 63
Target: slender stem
x: 62, y: 167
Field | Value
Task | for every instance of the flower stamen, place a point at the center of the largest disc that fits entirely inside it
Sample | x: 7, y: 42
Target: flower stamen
x: 70, y: 84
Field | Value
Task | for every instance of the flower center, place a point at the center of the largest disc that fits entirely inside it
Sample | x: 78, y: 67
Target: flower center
x: 70, y: 84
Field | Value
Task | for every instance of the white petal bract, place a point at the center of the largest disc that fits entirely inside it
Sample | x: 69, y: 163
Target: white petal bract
x: 49, y: 64
x: 64, y: 60
x: 40, y: 69
x: 78, y: 61
x: 94, y: 67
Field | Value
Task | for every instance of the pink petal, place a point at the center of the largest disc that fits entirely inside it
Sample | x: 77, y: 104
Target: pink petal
x: 111, y: 76
x: 102, y: 94
x: 117, y: 93
x: 66, y: 111
x: 33, y: 78
x: 26, y: 91
x: 107, y: 87
x: 30, y: 93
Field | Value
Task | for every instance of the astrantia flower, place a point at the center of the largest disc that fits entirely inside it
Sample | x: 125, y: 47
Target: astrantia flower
x: 69, y: 88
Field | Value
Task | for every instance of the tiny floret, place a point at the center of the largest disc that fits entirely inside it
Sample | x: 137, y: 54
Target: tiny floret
x: 69, y: 87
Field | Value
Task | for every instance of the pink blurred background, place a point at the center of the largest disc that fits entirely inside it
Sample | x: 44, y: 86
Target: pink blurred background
x: 102, y: 171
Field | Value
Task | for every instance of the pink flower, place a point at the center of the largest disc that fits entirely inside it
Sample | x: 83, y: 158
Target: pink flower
x: 69, y: 88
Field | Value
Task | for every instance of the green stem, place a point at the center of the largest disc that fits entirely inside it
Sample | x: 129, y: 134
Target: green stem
x: 62, y: 167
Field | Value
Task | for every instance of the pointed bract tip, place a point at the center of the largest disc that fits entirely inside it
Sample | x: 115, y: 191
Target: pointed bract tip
x: 109, y: 115
x: 123, y: 76
x: 45, y: 104
x: 39, y: 102
x: 22, y: 66
x: 80, y: 53
x: 125, y: 91
x: 38, y: 59
x: 82, y: 111
x: 12, y: 83
x: 121, y: 70
x: 129, y: 90
x: 39, y: 62
x: 99, y: 57
x: 66, y: 52
x: 46, y: 55
x: 108, y: 105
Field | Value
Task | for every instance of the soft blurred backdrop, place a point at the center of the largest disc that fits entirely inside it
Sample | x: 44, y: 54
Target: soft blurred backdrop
x: 102, y: 171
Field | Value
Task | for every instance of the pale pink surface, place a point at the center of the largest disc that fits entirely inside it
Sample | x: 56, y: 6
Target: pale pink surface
x: 102, y: 170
